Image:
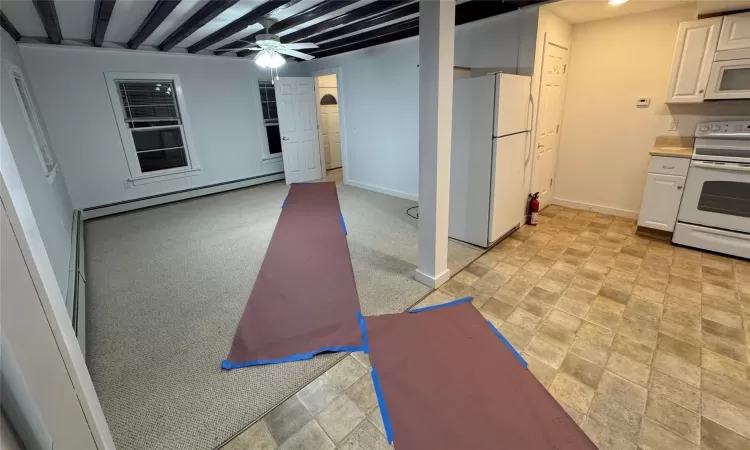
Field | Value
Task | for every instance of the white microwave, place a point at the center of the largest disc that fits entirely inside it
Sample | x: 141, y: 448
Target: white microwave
x: 730, y: 75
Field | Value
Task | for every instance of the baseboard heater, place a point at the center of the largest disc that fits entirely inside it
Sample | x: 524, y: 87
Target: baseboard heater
x: 170, y: 197
x: 75, y: 301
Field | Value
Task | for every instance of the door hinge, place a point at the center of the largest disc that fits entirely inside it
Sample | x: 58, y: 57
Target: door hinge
x: 550, y: 182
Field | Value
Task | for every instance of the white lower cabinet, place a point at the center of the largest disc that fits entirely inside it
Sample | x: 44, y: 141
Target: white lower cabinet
x: 661, y: 201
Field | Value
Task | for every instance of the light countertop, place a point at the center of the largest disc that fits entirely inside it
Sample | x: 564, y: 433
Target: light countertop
x: 673, y: 146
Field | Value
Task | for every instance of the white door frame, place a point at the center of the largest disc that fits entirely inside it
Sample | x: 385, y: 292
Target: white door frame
x: 24, y: 224
x: 537, y: 108
x: 342, y: 118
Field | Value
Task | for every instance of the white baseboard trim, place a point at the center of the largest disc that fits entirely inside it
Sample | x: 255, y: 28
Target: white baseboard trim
x: 432, y: 282
x: 382, y: 190
x: 596, y: 208
x: 116, y: 208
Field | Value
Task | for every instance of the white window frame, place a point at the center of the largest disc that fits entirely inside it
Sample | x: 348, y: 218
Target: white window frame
x: 136, y: 175
x: 39, y: 140
x: 266, y: 156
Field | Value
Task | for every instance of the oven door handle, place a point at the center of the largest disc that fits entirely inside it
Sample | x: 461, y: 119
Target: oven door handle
x: 732, y: 167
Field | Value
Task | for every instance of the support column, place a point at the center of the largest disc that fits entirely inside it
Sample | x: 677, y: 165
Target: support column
x: 436, y: 36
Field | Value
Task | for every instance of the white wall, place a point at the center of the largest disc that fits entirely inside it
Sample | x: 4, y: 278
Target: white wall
x: 221, y: 99
x: 605, y: 141
x: 50, y: 203
x: 380, y: 98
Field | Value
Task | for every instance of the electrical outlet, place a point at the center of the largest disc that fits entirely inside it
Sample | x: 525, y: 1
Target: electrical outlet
x: 673, y: 125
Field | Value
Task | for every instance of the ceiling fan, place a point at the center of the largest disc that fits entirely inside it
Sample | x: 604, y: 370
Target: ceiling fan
x: 270, y: 48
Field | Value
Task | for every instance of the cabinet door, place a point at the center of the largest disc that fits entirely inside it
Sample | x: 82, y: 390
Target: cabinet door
x: 691, y: 63
x: 735, y: 32
x: 661, y: 201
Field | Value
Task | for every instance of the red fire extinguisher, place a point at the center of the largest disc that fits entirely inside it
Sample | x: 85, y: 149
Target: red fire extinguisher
x: 533, y: 208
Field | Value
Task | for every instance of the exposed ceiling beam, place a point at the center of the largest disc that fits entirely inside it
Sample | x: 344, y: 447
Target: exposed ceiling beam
x: 366, y: 36
x: 307, y: 15
x: 478, y: 10
x: 465, y: 12
x: 7, y: 26
x: 155, y: 17
x: 102, y: 14
x: 370, y: 43
x: 204, y: 15
x: 311, y: 13
x: 48, y: 16
x: 238, y: 25
x: 348, y: 17
x: 369, y: 22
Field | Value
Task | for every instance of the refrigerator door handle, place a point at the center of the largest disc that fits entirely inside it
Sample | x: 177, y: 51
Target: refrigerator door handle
x: 527, y: 155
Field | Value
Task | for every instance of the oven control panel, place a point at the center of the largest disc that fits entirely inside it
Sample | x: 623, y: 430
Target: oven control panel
x: 726, y: 130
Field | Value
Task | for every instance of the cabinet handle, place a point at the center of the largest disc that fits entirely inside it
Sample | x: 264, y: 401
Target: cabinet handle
x: 667, y: 167
x: 679, y: 188
x: 701, y: 91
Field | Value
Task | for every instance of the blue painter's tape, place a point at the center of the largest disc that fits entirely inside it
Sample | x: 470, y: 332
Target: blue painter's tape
x: 283, y: 203
x: 444, y: 305
x: 363, y: 328
x: 227, y: 365
x: 343, y: 225
x: 383, y: 408
x: 508, y: 344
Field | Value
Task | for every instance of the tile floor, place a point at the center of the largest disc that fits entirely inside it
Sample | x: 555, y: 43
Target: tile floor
x: 644, y: 344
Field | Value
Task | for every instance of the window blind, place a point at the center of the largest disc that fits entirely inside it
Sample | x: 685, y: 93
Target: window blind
x: 149, y: 101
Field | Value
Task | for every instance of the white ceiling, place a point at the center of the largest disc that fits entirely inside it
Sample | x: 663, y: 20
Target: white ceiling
x: 579, y: 11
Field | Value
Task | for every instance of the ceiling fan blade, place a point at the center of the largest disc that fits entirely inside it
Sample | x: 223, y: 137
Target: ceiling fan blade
x: 296, y: 54
x: 301, y: 46
x: 240, y: 48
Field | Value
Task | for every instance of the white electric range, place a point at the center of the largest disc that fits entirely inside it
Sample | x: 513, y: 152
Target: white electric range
x: 715, y: 209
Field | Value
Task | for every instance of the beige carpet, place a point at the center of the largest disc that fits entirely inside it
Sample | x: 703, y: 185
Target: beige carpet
x: 167, y: 285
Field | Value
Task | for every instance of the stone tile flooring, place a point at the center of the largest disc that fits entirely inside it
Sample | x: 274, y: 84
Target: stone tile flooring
x: 644, y: 344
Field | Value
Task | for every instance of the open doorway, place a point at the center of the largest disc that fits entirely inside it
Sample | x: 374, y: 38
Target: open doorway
x: 327, y: 92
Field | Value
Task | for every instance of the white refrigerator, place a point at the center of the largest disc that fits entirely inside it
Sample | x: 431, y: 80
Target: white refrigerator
x: 490, y: 140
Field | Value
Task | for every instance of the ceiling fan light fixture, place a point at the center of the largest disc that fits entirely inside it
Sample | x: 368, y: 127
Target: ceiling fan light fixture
x: 269, y: 59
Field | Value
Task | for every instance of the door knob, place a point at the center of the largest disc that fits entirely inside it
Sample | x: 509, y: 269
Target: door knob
x: 284, y: 138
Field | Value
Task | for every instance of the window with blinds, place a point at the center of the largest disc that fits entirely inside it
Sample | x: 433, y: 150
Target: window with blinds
x: 270, y: 116
x: 152, y: 114
x: 39, y: 139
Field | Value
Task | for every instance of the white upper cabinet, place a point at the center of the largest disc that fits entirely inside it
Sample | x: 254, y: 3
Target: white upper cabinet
x: 691, y: 63
x: 735, y: 32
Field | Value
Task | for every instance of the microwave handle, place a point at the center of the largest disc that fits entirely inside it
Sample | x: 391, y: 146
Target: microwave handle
x: 733, y: 167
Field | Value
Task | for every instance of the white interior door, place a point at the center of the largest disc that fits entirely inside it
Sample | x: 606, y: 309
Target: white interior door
x: 329, y: 123
x: 549, y: 122
x: 298, y: 126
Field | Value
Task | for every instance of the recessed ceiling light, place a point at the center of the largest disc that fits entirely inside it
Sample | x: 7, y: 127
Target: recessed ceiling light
x: 617, y: 2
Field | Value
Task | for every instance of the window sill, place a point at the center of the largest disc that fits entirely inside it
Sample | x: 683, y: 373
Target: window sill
x: 146, y: 179
x: 271, y: 159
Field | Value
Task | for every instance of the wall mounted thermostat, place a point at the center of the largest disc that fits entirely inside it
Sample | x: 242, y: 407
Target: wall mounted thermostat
x: 642, y: 102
